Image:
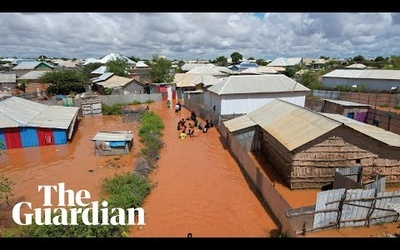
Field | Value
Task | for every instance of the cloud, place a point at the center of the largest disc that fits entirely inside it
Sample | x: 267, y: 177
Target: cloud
x: 199, y: 35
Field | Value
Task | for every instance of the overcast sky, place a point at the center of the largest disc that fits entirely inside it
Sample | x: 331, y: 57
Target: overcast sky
x: 201, y: 36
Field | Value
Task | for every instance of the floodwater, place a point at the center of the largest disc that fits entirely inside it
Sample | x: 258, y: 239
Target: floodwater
x: 200, y: 188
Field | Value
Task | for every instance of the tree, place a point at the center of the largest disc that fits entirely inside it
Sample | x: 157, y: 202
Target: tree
x: 159, y: 70
x: 261, y: 62
x: 251, y: 58
x: 63, y: 82
x: 117, y: 66
x: 135, y: 59
x: 236, y: 57
x: 359, y: 59
x: 221, y: 61
x: 6, y: 189
x: 88, y: 68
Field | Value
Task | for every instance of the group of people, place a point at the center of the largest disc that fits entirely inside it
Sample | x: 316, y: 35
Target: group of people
x: 182, y: 126
x: 188, y: 130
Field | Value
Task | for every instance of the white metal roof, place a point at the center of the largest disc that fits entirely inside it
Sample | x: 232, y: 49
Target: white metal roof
x: 113, y: 136
x: 380, y: 134
x: 267, y: 83
x: 385, y: 74
x: 100, y: 70
x: 8, y: 77
x: 54, y: 117
x: 32, y: 75
x: 19, y: 112
x: 285, y: 62
x: 206, y: 70
x: 31, y: 65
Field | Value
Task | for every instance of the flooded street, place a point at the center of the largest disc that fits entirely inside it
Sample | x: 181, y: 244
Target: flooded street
x: 199, y: 186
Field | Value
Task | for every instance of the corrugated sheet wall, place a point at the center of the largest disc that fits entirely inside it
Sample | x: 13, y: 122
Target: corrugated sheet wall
x: 29, y: 137
x: 3, y: 140
x: 60, y: 136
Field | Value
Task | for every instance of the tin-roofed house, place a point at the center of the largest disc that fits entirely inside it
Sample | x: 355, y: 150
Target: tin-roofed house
x: 25, y: 123
x: 306, y: 147
x: 353, y: 110
x: 239, y: 94
x: 113, y: 142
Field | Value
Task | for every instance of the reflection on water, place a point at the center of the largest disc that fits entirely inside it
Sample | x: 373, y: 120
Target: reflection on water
x: 200, y: 188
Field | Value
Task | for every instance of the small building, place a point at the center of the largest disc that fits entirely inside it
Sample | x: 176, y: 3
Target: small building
x: 25, y: 67
x: 353, y: 110
x: 371, y: 79
x: 307, y: 147
x: 120, y: 85
x: 113, y: 142
x: 239, y: 94
x: 25, y: 123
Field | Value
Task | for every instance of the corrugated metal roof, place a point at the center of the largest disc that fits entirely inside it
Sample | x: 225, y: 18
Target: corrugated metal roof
x: 347, y: 103
x: 365, y: 74
x: 113, y: 136
x: 6, y: 122
x: 285, y: 62
x: 21, y: 110
x: 8, y: 78
x: 290, y: 124
x: 54, y: 117
x: 31, y: 65
x: 115, y: 81
x: 246, y: 84
x: 239, y: 123
x: 356, y: 66
x: 206, y: 70
x: 99, y: 70
x: 32, y: 75
x: 103, y: 77
x: 377, y: 133
x: 16, y: 111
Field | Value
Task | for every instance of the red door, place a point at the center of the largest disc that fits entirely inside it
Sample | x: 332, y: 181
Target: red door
x: 45, y: 136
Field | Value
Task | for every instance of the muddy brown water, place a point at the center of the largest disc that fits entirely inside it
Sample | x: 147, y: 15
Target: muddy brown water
x: 199, y: 187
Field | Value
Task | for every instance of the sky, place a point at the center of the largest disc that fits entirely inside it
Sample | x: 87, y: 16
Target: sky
x: 200, y: 35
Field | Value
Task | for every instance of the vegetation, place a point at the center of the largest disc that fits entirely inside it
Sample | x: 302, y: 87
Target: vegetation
x: 236, y: 57
x: 160, y: 70
x: 5, y: 189
x: 116, y: 109
x: 117, y: 66
x: 63, y: 82
x: 126, y: 190
x: 89, y: 68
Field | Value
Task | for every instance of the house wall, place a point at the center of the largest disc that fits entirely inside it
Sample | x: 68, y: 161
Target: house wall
x: 29, y: 137
x: 12, y: 138
x: 245, y: 103
x: 134, y: 88
x: 60, y: 136
x: 313, y: 165
x: 2, y: 140
x: 373, y: 84
x: 246, y: 137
